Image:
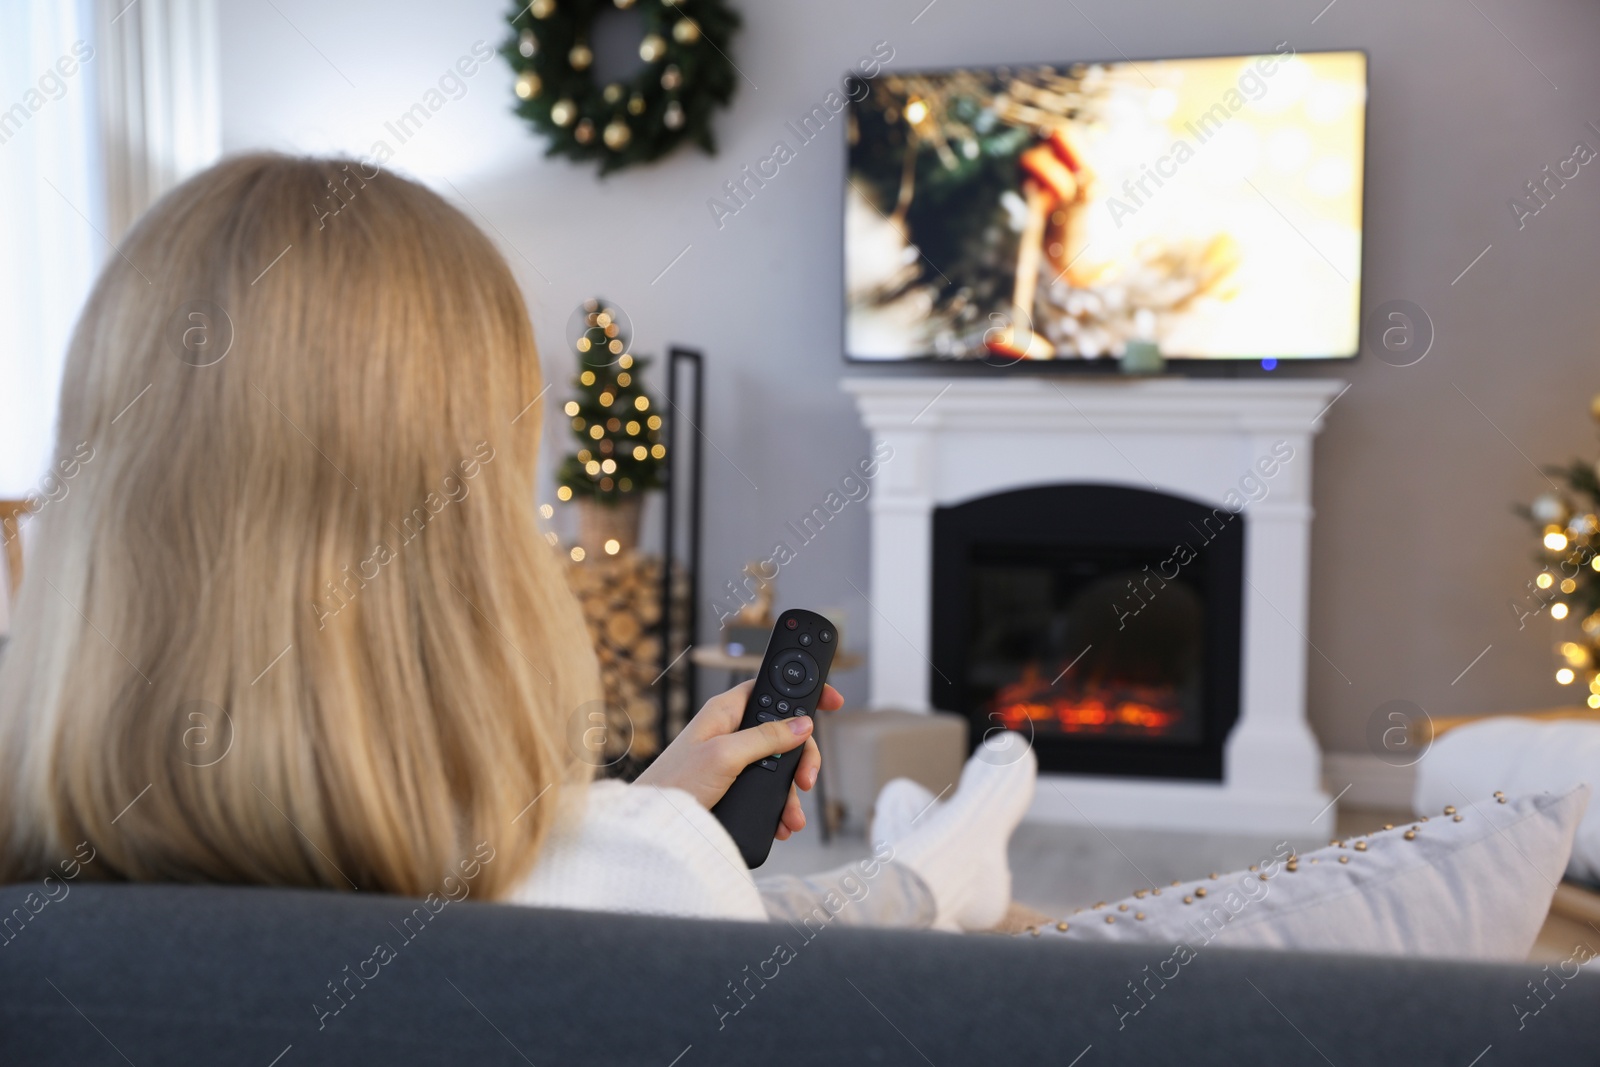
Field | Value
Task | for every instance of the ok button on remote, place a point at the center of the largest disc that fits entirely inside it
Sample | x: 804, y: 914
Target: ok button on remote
x: 794, y: 673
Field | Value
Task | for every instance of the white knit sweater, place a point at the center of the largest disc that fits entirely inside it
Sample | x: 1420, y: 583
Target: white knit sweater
x: 644, y: 849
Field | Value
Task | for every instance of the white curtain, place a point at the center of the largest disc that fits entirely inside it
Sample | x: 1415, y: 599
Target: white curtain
x: 159, y: 116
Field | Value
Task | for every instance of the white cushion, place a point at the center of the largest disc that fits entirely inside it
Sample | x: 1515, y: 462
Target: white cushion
x: 1518, y: 755
x: 1474, y: 887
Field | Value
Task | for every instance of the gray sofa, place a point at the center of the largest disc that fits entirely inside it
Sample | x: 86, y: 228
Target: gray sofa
x: 146, y: 975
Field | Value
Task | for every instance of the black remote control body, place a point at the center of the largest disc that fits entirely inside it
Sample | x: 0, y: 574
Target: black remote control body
x: 790, y: 682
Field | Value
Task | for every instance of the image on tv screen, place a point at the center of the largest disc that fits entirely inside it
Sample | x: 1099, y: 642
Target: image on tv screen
x: 1209, y: 206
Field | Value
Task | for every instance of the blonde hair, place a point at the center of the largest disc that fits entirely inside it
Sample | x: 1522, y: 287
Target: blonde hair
x: 294, y: 622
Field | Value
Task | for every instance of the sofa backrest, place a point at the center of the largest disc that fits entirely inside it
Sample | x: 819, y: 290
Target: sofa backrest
x: 148, y: 974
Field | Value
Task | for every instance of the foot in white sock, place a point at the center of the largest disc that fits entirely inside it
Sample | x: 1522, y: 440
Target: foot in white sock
x: 958, y: 845
x: 898, y: 806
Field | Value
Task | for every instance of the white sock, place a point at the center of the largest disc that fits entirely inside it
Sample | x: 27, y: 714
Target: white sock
x: 899, y: 804
x: 957, y: 846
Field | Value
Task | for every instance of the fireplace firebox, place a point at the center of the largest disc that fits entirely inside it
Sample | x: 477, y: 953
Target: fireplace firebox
x: 1103, y: 621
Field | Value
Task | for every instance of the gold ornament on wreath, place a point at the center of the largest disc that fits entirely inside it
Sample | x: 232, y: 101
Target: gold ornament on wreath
x: 686, y: 76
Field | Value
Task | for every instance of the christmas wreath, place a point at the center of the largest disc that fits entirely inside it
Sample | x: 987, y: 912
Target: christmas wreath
x: 687, y: 74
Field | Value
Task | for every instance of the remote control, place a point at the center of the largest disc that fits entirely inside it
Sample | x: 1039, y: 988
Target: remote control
x: 789, y: 683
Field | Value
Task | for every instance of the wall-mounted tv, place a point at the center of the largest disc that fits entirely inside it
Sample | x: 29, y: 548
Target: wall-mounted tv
x: 1210, y: 206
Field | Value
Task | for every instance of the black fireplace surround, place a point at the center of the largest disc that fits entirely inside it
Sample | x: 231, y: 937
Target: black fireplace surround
x: 1102, y: 620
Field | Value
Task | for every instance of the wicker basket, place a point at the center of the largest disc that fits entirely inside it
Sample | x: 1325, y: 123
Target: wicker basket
x: 599, y: 523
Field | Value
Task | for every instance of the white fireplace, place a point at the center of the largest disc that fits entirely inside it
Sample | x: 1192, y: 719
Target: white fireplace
x: 956, y: 440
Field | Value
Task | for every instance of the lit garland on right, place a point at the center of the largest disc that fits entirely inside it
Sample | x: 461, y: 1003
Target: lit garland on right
x: 1568, y: 522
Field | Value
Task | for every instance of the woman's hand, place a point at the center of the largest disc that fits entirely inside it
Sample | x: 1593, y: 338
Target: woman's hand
x: 708, y: 755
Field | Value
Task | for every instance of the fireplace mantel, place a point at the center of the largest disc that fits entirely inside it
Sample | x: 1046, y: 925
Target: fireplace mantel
x: 957, y: 439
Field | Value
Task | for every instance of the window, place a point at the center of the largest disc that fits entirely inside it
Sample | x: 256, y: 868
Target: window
x: 51, y: 214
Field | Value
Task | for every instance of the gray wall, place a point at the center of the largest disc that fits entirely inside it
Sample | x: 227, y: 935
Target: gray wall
x: 1416, y: 552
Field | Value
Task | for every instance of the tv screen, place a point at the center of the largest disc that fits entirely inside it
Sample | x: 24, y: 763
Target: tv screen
x: 1209, y: 206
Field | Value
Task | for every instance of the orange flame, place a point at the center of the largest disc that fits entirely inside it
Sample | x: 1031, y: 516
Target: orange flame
x: 1091, y: 708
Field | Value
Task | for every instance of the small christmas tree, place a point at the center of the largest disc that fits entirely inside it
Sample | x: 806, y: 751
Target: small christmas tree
x: 1568, y: 584
x: 615, y: 420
